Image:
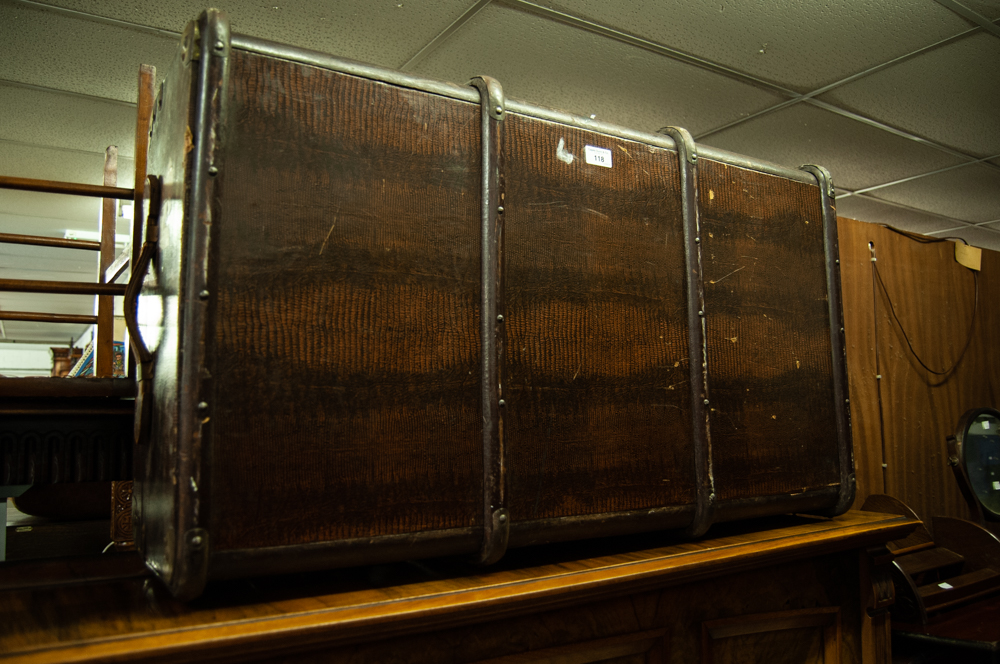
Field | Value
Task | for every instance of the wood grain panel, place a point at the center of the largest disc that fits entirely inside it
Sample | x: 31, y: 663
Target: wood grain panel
x: 934, y: 298
x: 598, y: 406
x: 348, y: 289
x: 804, y: 635
x: 773, y: 423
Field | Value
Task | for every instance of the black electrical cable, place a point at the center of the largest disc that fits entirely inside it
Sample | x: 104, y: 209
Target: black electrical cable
x: 922, y: 239
x: 878, y: 281
x: 968, y: 341
x: 878, y: 374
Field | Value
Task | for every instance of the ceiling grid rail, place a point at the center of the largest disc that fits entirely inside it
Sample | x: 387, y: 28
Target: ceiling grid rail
x: 680, y: 56
x: 982, y: 23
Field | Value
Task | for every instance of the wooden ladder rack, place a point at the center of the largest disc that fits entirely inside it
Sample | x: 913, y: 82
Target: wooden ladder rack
x: 111, y: 266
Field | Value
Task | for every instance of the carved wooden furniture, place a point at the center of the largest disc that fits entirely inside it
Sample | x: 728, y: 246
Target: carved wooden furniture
x: 960, y: 563
x: 968, y: 634
x: 799, y: 590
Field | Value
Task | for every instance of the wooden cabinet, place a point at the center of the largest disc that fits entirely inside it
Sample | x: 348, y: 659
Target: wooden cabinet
x: 789, y: 589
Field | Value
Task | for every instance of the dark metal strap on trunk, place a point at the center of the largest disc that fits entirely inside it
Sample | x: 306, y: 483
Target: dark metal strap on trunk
x: 496, y: 521
x: 687, y: 156
x: 839, y: 348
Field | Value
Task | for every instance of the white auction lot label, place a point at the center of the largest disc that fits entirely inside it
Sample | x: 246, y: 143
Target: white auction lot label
x: 597, y: 156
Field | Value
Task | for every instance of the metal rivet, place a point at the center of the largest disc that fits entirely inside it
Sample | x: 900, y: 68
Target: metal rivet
x: 499, y: 110
x: 203, y: 405
x: 502, y: 518
x: 847, y: 401
x: 219, y: 45
x: 706, y: 402
x: 502, y: 403
x: 841, y: 329
x: 697, y: 240
x: 837, y: 261
x: 500, y: 209
x: 701, y: 313
x: 196, y: 540
x: 878, y: 376
x: 212, y: 170
x: 203, y: 295
x: 499, y: 318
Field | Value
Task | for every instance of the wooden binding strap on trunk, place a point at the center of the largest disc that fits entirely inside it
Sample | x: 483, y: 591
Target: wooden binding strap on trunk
x: 496, y: 521
x: 842, y: 412
x: 687, y: 158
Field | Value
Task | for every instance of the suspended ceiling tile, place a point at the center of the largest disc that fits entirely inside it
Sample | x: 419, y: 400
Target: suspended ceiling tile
x: 44, y: 163
x: 801, y: 45
x: 988, y: 8
x: 387, y: 33
x: 865, y: 209
x: 54, y: 119
x: 976, y: 236
x: 53, y: 50
x: 21, y: 224
x: 550, y: 64
x: 971, y: 193
x: 856, y: 154
x: 55, y: 334
x: 74, y: 211
x: 61, y: 264
x: 33, y: 213
x: 949, y: 95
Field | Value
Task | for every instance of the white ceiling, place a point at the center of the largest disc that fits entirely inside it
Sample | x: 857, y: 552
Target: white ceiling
x: 899, y: 99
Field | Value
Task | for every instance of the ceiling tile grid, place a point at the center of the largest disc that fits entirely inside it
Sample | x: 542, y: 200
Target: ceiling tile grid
x: 802, y: 45
x: 21, y: 159
x: 382, y: 32
x: 62, y: 52
x: 970, y: 193
x: 550, y: 64
x: 950, y: 95
x: 987, y: 8
x: 862, y: 207
x: 904, y: 88
x: 52, y: 119
x: 977, y: 237
x: 856, y: 154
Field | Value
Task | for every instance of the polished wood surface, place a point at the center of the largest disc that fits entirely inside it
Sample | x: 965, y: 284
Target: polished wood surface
x: 444, y: 610
x: 977, y: 623
x: 934, y: 298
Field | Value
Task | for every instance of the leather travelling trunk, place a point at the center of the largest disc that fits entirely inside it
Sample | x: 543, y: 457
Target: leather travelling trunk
x: 385, y: 318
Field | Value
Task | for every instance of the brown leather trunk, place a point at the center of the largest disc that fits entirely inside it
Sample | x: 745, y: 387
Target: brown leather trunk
x: 391, y: 318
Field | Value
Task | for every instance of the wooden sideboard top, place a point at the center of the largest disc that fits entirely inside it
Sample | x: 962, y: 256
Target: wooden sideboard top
x: 133, y: 618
